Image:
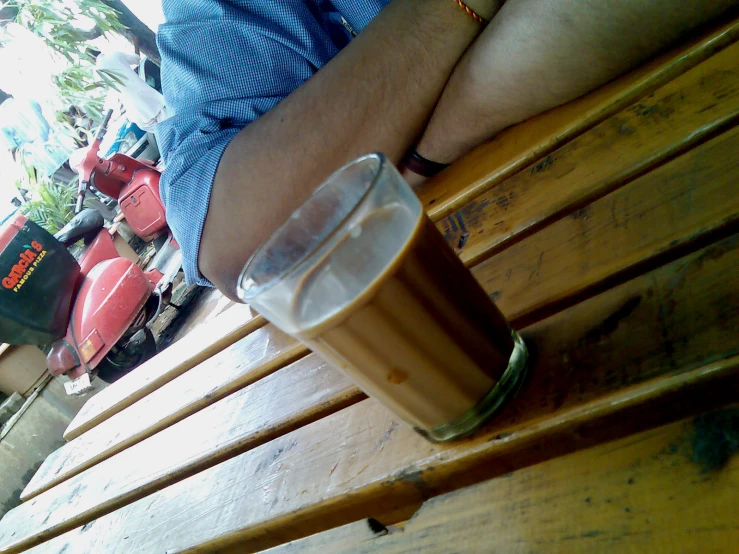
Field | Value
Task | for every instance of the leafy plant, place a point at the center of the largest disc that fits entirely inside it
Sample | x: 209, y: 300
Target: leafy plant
x: 79, y: 87
x: 51, y: 204
x: 61, y: 25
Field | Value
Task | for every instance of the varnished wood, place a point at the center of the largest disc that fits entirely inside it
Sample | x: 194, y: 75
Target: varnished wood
x: 306, y: 482
x: 519, y: 146
x: 679, y: 115
x: 600, y: 242
x: 681, y: 204
x: 307, y: 390
x: 548, y: 267
x: 250, y: 359
x: 645, y: 493
x: 204, y: 343
x: 588, y: 383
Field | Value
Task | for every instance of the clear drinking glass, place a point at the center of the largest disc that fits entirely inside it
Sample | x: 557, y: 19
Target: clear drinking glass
x: 362, y: 277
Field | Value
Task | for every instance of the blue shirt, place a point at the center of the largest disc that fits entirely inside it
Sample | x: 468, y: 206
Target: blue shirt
x: 223, y: 65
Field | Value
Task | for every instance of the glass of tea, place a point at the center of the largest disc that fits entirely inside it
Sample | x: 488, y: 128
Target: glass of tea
x: 361, y: 275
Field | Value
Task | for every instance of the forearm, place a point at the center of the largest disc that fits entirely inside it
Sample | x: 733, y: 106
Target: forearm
x: 376, y: 95
x: 538, y: 54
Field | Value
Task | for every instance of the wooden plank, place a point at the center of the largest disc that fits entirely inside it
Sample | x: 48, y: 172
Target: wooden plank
x: 253, y: 357
x: 350, y: 535
x: 523, y: 144
x: 637, y: 226
x: 307, y: 389
x: 652, y: 492
x: 679, y: 115
x: 593, y: 360
x: 225, y: 330
x: 306, y: 482
x: 610, y: 237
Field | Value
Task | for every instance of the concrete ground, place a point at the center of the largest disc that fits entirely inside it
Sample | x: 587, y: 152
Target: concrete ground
x: 39, y: 431
x: 35, y: 435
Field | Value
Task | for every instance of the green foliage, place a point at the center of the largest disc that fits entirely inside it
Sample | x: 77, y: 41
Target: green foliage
x: 51, y: 204
x: 78, y: 86
x: 59, y: 24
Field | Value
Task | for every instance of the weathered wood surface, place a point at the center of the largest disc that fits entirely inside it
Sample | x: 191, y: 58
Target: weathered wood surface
x: 677, y: 117
x: 663, y: 490
x: 548, y: 270
x: 361, y: 462
x: 308, y: 389
x: 519, y: 146
x: 210, y: 339
x: 593, y: 360
x: 247, y: 361
x: 686, y: 202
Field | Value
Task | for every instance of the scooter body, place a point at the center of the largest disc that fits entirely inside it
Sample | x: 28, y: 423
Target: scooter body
x: 110, y: 298
x: 105, y: 298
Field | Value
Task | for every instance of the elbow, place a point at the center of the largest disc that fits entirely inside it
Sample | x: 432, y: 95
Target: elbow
x: 220, y: 267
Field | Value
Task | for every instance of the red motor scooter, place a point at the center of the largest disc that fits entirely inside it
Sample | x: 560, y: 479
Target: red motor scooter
x: 95, y: 314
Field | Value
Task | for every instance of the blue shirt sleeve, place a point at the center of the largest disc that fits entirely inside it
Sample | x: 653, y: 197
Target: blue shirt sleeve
x: 223, y: 65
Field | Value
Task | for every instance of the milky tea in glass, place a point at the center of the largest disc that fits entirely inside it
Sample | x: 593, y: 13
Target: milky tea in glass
x: 362, y: 277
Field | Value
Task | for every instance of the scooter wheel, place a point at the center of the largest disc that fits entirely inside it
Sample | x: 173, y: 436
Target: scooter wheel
x: 117, y: 364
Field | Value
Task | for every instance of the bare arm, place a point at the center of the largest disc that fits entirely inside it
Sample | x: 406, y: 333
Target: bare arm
x: 376, y: 95
x: 538, y: 54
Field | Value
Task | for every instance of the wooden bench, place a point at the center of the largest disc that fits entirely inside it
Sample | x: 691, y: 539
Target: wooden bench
x: 606, y: 231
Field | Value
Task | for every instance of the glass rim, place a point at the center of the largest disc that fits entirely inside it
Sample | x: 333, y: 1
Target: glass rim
x: 247, y: 294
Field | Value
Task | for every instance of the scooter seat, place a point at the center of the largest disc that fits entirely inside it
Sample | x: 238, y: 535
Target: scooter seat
x: 85, y: 225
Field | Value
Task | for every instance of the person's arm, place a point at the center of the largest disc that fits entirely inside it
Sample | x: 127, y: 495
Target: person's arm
x: 538, y: 54
x: 375, y: 95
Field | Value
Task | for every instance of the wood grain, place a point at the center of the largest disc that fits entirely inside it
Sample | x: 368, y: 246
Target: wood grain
x: 677, y: 117
x: 645, y: 493
x: 590, y: 382
x: 523, y: 144
x: 207, y: 341
x: 250, y: 359
x: 675, y: 207
x: 307, y: 390
x: 602, y: 242
x: 304, y: 483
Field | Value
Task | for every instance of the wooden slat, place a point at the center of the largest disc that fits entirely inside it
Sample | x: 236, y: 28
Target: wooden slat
x: 674, y: 119
x: 307, y: 389
x: 250, y: 359
x: 610, y: 226
x: 205, y: 342
x: 519, y: 146
x: 671, y: 208
x: 306, y: 482
x: 646, y: 493
x: 362, y: 462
